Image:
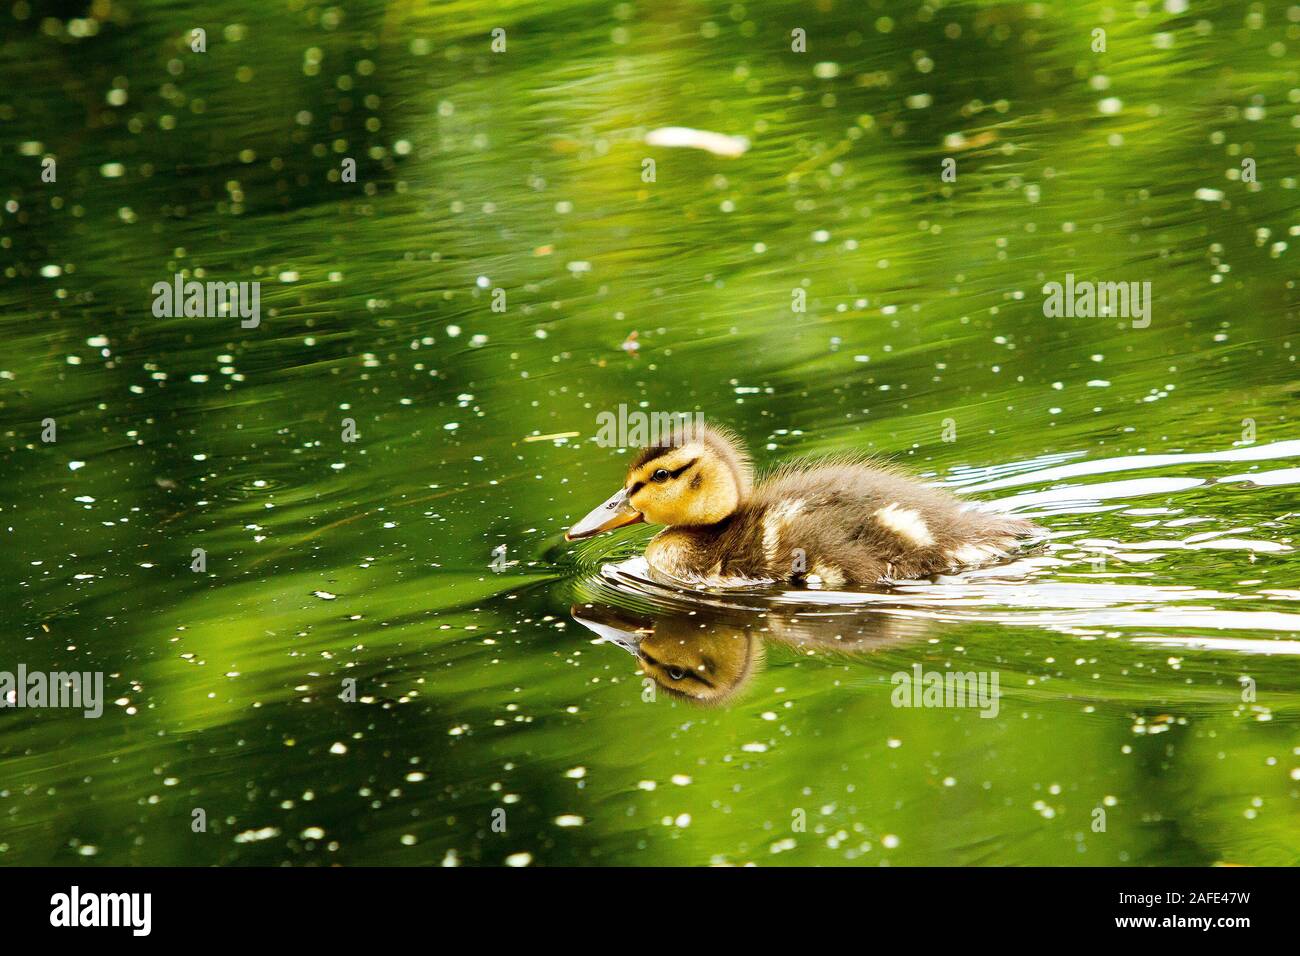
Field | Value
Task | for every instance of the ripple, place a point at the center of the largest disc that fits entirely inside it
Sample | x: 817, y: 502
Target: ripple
x: 1047, y: 604
x: 1106, y: 466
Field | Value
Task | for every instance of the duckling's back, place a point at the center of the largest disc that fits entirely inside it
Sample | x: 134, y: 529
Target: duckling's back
x: 836, y: 523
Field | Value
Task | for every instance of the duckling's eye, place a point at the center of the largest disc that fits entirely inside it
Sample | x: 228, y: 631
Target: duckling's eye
x: 661, y: 475
x: 676, y: 673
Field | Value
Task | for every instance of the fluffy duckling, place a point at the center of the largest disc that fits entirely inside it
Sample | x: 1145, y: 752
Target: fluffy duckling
x: 829, y: 523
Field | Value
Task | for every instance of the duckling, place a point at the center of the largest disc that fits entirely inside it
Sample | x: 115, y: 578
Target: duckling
x: 826, y: 523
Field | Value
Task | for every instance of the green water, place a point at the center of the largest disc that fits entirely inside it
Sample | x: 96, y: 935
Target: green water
x: 1147, y: 653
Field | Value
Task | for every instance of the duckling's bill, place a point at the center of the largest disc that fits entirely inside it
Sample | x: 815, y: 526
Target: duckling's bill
x: 615, y: 512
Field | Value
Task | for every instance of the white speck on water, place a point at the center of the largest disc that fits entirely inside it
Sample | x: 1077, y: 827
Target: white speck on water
x: 324, y: 595
x: 338, y: 747
x: 519, y: 859
x: 76, y: 465
x: 569, y: 820
x: 683, y: 136
x: 255, y: 836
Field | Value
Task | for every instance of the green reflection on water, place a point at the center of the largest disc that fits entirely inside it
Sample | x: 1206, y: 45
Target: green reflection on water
x: 522, y: 171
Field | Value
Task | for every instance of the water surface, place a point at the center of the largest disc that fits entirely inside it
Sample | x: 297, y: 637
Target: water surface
x: 1148, y: 653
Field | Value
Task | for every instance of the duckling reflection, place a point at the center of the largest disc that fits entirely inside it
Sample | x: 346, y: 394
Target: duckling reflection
x: 710, y: 657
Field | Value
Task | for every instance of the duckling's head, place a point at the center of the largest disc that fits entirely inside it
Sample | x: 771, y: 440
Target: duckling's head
x: 698, y: 476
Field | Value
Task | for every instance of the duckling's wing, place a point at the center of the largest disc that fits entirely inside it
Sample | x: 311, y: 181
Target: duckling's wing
x: 864, y: 522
